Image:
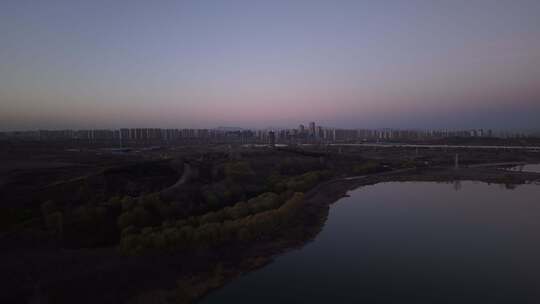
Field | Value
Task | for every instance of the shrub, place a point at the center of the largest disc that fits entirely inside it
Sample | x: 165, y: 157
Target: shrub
x: 125, y: 220
x: 306, y: 181
x: 366, y: 168
x: 127, y: 203
x: 55, y: 222
x: 49, y: 207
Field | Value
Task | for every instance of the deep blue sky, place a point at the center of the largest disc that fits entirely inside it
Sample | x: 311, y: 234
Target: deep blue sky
x: 408, y: 64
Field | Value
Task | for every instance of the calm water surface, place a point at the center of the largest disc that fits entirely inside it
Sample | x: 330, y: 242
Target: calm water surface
x: 411, y: 243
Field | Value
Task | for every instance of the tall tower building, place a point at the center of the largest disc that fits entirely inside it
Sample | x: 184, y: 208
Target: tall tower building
x: 312, y: 129
x: 272, y: 138
x: 319, y: 133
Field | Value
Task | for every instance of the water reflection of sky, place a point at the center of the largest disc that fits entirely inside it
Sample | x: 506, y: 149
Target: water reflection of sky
x: 411, y: 243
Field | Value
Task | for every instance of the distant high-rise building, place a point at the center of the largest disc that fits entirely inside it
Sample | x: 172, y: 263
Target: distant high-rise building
x: 312, y: 129
x: 124, y: 135
x: 320, y: 132
x: 272, y: 138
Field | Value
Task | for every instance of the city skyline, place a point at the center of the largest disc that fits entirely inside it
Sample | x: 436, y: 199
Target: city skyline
x: 347, y: 64
x: 313, y: 133
x: 308, y: 127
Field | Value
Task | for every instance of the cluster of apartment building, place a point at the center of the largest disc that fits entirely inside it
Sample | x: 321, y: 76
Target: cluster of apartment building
x: 136, y: 135
x: 310, y: 133
x: 314, y: 133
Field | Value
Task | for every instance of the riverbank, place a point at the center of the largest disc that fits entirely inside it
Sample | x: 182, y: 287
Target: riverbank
x: 316, y: 209
x: 186, y: 278
x: 320, y: 198
x: 330, y: 191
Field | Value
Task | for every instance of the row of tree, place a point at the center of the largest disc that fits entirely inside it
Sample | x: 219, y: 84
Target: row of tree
x: 87, y: 225
x: 95, y: 225
x: 298, y: 183
x: 209, y: 232
x: 150, y: 210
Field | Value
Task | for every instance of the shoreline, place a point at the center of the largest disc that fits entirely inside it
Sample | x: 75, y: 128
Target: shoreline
x: 201, y: 273
x: 319, y: 199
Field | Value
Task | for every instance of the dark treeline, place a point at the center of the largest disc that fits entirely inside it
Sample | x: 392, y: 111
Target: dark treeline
x: 244, y: 221
x: 219, y: 192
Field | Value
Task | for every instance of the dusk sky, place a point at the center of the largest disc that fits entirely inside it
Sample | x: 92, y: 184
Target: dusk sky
x: 359, y: 64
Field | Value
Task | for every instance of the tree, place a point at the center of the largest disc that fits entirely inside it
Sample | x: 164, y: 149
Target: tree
x: 126, y: 219
x: 127, y: 203
x: 55, y: 222
x: 238, y: 171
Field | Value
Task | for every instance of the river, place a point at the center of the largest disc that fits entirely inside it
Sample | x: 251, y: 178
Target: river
x: 412, y: 242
